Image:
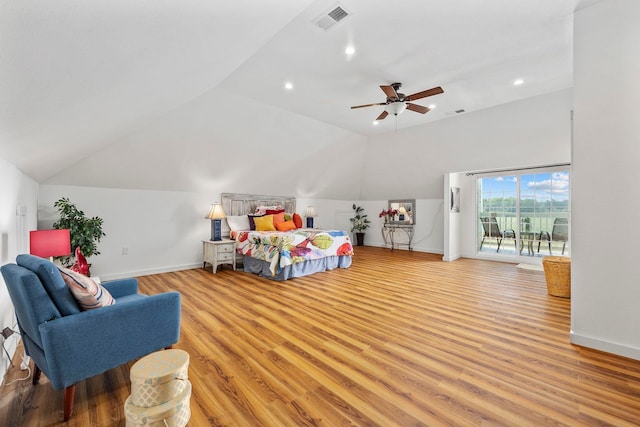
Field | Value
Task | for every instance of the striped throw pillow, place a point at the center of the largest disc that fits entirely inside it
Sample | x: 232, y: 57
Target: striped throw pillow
x: 88, y: 294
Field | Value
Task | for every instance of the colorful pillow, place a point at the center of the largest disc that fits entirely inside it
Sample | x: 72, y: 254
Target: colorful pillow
x: 285, y: 226
x: 264, y: 223
x: 252, y: 223
x: 262, y: 210
x: 274, y: 211
x: 297, y: 220
x: 238, y: 223
x: 88, y: 294
x: 277, y: 218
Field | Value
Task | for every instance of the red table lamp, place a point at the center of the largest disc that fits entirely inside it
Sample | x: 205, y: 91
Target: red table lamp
x: 50, y: 243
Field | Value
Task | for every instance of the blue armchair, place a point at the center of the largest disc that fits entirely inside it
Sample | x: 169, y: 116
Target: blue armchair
x: 70, y: 345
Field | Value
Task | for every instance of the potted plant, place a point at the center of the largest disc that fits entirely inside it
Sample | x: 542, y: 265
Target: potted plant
x: 85, y: 232
x: 359, y: 222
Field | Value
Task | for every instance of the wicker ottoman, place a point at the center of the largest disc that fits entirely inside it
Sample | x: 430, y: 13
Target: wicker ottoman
x: 557, y: 272
x: 160, y: 390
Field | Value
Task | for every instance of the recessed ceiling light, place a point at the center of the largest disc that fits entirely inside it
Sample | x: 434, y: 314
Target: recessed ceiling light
x: 432, y: 106
x: 518, y: 82
x: 350, y: 50
x: 288, y: 86
x: 375, y: 123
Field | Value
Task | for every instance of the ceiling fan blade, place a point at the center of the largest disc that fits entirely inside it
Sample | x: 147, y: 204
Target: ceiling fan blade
x: 424, y: 94
x: 368, y: 105
x: 417, y: 108
x: 382, y: 115
x: 389, y: 91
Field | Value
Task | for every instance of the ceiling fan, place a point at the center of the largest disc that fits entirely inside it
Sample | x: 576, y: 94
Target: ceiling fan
x: 397, y: 102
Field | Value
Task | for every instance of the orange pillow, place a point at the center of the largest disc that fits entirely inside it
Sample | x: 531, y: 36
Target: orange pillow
x: 285, y: 226
x: 278, y: 218
x: 264, y: 223
x: 297, y: 220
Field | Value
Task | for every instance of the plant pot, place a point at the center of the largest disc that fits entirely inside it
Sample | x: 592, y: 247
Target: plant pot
x: 360, y: 239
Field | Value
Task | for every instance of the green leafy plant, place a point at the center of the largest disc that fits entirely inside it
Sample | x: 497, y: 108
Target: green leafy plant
x: 359, y: 222
x: 85, y: 232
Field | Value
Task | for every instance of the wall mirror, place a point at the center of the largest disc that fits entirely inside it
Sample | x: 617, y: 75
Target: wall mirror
x: 406, y: 211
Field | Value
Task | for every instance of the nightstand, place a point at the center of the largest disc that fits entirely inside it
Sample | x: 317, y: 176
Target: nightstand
x: 217, y: 252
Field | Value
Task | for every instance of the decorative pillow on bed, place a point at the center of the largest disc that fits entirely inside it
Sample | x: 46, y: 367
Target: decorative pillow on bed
x: 274, y: 211
x: 88, y: 294
x: 278, y: 218
x: 238, y: 223
x: 264, y: 223
x: 263, y: 210
x: 252, y: 223
x: 297, y: 220
x: 285, y: 226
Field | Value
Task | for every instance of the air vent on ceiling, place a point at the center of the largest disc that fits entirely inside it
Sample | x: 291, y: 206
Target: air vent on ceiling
x: 459, y: 111
x: 331, y: 17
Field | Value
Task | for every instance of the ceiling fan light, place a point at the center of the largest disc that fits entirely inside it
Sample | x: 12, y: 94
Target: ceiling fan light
x: 395, y: 108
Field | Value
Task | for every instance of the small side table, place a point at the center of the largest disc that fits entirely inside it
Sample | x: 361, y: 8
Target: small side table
x: 218, y: 252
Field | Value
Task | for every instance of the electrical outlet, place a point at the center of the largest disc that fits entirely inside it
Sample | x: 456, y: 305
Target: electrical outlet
x: 7, y: 332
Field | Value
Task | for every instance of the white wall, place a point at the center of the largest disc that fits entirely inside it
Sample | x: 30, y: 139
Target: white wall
x: 605, y: 295
x: 223, y: 142
x: 18, y: 207
x: 161, y: 230
x: 452, y: 220
x: 412, y: 163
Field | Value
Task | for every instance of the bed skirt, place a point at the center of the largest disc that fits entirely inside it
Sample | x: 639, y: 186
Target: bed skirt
x: 253, y: 265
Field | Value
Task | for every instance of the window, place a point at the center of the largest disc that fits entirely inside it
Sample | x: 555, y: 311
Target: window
x: 524, y: 214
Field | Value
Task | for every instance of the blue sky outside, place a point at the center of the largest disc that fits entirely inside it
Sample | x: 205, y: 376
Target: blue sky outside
x: 540, y: 186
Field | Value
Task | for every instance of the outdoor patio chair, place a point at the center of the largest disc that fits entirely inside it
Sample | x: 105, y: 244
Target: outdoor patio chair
x: 492, y: 231
x: 559, y: 233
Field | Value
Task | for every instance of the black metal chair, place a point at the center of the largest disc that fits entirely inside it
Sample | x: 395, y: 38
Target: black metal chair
x: 492, y: 231
x: 559, y: 233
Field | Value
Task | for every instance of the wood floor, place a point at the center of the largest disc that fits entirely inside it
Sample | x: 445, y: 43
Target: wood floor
x: 399, y: 339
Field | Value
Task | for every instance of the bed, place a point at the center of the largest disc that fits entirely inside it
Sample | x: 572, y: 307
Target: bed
x: 284, y: 252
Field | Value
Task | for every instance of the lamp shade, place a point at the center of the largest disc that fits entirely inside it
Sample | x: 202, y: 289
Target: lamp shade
x: 310, y: 212
x: 216, y: 212
x: 50, y: 243
x: 216, y: 215
x: 395, y: 108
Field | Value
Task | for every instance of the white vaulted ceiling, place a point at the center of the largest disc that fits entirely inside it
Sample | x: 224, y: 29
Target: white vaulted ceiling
x: 80, y: 78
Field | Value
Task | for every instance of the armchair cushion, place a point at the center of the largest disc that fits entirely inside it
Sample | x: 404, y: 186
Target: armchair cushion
x: 121, y: 287
x: 50, y: 277
x: 88, y: 294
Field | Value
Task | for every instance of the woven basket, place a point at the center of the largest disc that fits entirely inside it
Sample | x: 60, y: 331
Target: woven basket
x: 557, y: 272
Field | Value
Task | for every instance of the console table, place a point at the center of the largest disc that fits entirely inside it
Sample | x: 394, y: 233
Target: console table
x: 388, y: 234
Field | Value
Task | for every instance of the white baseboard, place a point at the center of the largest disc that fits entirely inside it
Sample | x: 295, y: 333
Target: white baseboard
x: 609, y: 347
x: 138, y: 273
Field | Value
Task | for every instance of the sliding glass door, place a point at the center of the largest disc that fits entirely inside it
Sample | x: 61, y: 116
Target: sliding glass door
x: 525, y: 213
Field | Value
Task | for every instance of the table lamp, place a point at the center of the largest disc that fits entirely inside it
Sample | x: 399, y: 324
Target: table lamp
x: 50, y: 243
x: 401, y: 213
x: 310, y: 213
x: 216, y: 215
